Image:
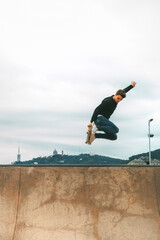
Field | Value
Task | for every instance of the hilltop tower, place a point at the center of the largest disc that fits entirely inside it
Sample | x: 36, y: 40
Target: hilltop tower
x: 18, y: 155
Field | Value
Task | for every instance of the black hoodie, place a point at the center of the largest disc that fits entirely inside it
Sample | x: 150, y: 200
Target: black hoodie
x: 107, y: 107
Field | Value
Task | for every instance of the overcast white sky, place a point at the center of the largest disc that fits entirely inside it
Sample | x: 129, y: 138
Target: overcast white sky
x: 59, y: 59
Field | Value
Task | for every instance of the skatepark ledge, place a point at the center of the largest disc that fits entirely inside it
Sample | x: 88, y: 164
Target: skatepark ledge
x: 79, y: 202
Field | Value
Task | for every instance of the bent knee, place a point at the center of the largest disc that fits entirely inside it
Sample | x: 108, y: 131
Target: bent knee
x: 114, y: 137
x: 117, y: 130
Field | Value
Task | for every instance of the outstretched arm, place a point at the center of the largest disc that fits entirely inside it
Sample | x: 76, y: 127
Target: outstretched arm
x: 133, y: 84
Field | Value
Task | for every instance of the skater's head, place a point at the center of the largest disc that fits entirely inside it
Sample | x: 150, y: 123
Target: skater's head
x: 120, y: 94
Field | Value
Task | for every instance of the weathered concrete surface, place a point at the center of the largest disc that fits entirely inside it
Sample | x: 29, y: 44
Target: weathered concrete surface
x: 79, y: 203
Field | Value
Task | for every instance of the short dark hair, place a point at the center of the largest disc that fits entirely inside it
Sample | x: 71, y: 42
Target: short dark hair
x: 121, y: 92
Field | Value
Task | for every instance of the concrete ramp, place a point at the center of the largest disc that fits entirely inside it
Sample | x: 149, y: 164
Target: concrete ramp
x: 79, y: 203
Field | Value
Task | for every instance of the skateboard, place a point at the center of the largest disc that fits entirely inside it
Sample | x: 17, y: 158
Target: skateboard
x: 89, y: 131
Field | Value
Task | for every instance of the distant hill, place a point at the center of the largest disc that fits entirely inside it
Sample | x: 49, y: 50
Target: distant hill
x: 155, y: 155
x: 82, y: 159
x: 85, y: 159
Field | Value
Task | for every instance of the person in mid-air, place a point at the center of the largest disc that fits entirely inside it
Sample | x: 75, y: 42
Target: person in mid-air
x: 100, y: 118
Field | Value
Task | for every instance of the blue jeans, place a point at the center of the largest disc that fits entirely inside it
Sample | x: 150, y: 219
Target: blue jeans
x: 110, y: 129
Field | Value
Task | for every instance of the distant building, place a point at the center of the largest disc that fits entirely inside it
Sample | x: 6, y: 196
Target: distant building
x: 155, y: 162
x: 137, y: 162
x: 55, y: 152
x: 18, y: 155
x: 92, y: 154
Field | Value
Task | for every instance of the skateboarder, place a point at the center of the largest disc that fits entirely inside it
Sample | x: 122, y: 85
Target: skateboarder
x: 100, y: 118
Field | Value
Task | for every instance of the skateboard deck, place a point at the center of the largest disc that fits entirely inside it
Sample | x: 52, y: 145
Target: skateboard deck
x: 89, y: 131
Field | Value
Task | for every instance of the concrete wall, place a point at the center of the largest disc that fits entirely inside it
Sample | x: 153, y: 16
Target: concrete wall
x: 79, y: 203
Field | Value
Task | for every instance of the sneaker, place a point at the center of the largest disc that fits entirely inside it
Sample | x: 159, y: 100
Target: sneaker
x: 94, y: 129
